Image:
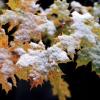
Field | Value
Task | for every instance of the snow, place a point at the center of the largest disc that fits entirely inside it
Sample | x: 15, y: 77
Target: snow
x: 75, y: 4
x: 81, y: 17
x: 7, y: 68
x: 83, y: 29
x: 69, y: 43
x: 34, y: 5
x: 57, y: 54
x: 96, y: 9
x: 42, y: 60
x: 20, y: 51
x: 40, y: 45
x: 47, y: 26
x: 25, y: 60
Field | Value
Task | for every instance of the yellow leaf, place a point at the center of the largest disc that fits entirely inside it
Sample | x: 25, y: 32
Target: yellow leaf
x: 85, y: 43
x: 96, y: 31
x: 60, y: 87
x: 23, y: 73
x: 14, y: 4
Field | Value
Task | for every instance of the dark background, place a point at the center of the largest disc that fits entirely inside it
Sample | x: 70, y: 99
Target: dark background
x: 84, y: 84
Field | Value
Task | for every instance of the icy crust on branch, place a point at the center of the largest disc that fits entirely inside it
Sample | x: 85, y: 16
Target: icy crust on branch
x: 33, y: 60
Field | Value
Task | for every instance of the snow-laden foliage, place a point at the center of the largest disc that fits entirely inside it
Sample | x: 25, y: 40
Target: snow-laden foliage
x: 28, y: 55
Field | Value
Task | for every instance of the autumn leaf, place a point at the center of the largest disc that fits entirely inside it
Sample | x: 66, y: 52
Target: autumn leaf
x: 23, y: 73
x: 60, y: 87
x: 3, y: 41
x: 4, y: 83
x: 85, y: 43
x: 12, y: 24
x: 96, y: 31
x: 26, y: 46
x: 37, y: 82
x: 14, y: 4
x: 83, y: 57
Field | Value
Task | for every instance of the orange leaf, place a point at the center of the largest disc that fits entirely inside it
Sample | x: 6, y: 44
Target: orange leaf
x: 3, y: 41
